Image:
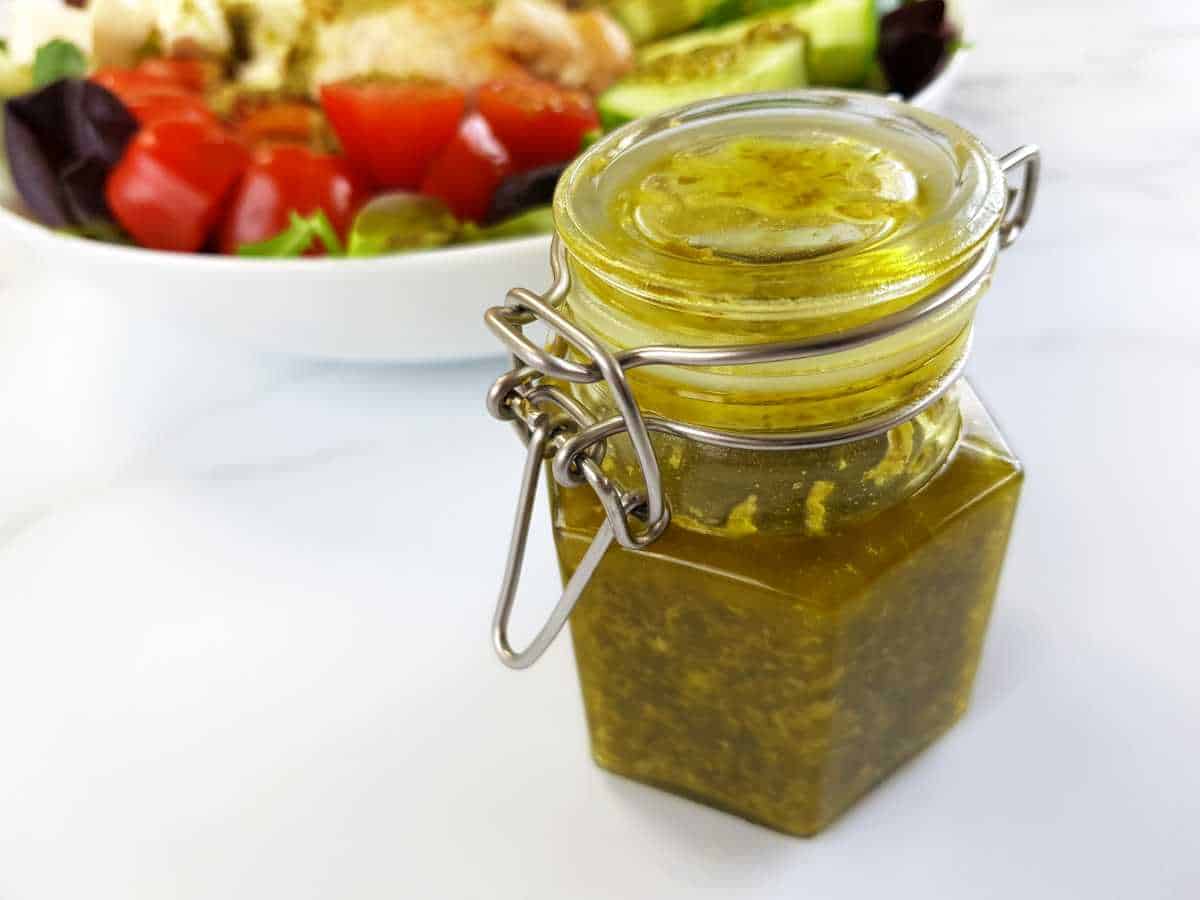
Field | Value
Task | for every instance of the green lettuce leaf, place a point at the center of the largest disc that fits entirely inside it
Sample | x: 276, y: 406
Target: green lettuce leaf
x: 57, y: 60
x: 299, y: 237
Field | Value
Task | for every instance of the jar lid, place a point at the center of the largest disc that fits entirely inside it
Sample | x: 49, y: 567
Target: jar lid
x: 814, y: 208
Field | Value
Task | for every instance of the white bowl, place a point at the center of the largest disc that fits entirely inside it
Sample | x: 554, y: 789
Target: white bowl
x: 418, y: 307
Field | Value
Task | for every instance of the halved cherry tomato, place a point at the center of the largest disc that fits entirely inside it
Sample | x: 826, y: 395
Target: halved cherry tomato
x: 539, y: 122
x: 468, y: 171
x: 130, y: 83
x: 190, y: 74
x: 391, y: 131
x: 154, y: 106
x: 286, y: 123
x: 171, y: 187
x: 286, y: 179
x: 160, y: 88
x: 154, y: 75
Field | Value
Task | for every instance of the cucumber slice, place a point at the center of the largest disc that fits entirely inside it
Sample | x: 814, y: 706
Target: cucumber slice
x: 399, y: 222
x: 676, y: 79
x: 842, y: 35
x: 539, y: 220
x: 648, y: 20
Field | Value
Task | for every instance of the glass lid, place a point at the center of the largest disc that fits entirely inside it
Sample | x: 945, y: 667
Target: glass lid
x: 800, y: 205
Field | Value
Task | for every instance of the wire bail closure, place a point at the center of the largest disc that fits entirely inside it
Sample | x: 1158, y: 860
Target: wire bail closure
x: 556, y: 428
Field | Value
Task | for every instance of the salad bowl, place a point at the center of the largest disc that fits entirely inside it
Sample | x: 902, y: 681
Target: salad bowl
x: 417, y: 307
x: 407, y: 308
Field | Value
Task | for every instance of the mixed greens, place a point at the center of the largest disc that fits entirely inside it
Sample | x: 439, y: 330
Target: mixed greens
x: 174, y: 151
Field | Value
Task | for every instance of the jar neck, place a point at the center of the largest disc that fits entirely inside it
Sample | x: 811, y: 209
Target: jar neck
x: 815, y: 492
x: 812, y: 491
x: 834, y: 391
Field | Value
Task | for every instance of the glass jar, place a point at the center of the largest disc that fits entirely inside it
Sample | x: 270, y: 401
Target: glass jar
x: 779, y: 511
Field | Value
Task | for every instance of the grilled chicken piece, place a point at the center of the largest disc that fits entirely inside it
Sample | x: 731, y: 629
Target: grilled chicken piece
x: 578, y: 49
x: 270, y: 31
x: 444, y: 40
x: 302, y: 44
x: 121, y: 29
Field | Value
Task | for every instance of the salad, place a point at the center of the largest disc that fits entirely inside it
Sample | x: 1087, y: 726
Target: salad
x: 280, y: 128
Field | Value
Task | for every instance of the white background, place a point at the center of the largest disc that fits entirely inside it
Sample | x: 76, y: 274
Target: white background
x: 244, y: 601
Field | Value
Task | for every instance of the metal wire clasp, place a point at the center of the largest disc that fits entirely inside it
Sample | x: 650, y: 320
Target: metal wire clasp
x: 547, y: 419
x: 554, y: 427
x: 539, y: 442
x: 1019, y: 208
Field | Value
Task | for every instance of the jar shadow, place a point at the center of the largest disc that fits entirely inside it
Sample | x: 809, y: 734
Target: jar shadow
x: 1017, y: 646
x: 679, y: 824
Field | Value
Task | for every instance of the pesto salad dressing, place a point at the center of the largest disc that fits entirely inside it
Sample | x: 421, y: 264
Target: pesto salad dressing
x: 811, y: 618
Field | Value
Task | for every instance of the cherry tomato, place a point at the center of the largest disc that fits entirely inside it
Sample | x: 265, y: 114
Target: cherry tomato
x: 539, y: 122
x: 189, y: 74
x: 284, y: 179
x: 468, y: 171
x: 128, y: 81
x: 153, y: 106
x: 391, y: 131
x: 286, y: 123
x: 171, y: 187
x: 155, y: 75
x: 160, y: 88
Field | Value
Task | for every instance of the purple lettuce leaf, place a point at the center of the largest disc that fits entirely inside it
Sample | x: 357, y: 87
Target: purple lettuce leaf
x: 61, y: 142
x: 914, y: 42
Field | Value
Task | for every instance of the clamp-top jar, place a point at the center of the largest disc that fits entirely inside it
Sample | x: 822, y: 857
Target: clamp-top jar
x: 780, y: 513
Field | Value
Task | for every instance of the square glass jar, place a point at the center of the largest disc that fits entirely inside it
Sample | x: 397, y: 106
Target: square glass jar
x: 785, y: 286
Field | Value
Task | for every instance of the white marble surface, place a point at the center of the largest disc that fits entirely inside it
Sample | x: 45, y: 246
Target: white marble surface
x: 244, y: 601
